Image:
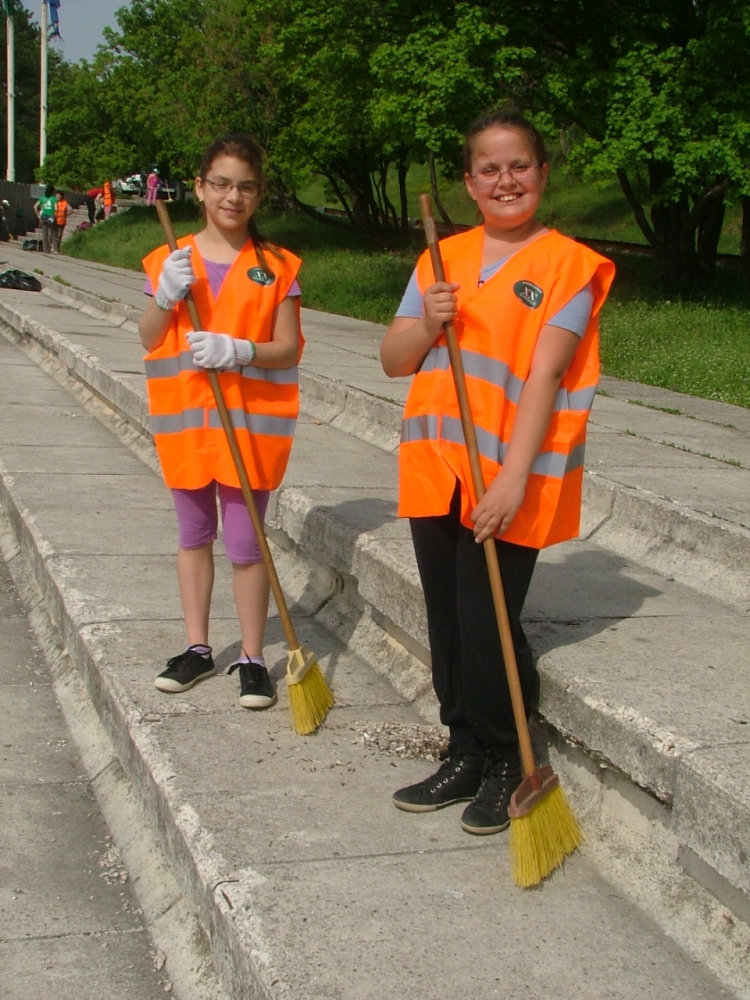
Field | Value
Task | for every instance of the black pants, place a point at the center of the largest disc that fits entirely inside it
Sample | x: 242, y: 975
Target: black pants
x: 90, y: 207
x: 468, y: 672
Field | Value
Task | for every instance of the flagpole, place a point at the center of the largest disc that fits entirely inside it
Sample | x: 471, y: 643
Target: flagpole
x: 43, y: 89
x: 10, y: 28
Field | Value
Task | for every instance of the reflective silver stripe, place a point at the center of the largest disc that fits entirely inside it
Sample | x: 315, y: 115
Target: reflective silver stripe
x: 552, y: 464
x: 175, y: 423
x: 497, y: 373
x: 436, y: 360
x: 422, y: 428
x: 278, y: 376
x: 579, y: 401
x: 255, y: 423
x: 193, y: 419
x: 170, y: 367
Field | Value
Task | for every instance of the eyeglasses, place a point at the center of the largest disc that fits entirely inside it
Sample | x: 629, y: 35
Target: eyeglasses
x: 518, y: 172
x: 246, y: 189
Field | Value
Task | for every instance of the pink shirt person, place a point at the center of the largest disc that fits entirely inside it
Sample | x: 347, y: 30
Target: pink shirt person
x: 152, y: 187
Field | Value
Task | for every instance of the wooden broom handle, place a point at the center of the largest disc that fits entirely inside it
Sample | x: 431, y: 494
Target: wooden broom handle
x: 493, y: 565
x: 234, y: 448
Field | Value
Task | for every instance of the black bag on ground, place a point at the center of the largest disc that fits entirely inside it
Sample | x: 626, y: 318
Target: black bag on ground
x: 20, y: 280
x: 32, y: 243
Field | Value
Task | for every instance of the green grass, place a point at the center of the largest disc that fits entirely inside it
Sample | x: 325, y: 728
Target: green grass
x: 695, y: 347
x: 125, y: 239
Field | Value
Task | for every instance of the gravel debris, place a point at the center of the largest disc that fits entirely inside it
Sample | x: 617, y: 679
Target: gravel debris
x: 114, y: 872
x: 397, y: 740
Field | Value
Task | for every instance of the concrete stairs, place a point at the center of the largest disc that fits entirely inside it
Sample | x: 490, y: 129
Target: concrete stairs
x: 641, y: 628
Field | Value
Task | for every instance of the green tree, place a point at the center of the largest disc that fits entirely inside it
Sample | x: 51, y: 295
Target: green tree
x: 155, y: 58
x: 657, y: 94
x: 433, y: 82
x: 91, y: 136
x: 369, y: 88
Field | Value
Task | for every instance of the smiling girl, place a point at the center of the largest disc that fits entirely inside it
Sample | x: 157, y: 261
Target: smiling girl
x: 525, y: 302
x: 247, y: 296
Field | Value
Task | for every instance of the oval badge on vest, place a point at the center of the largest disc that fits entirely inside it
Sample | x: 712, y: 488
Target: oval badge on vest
x: 260, y: 276
x: 530, y: 294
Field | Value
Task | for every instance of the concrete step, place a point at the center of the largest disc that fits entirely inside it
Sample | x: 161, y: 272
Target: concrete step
x: 646, y: 676
x: 308, y: 883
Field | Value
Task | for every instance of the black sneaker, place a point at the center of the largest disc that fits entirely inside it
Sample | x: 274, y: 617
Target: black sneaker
x: 488, y: 813
x: 184, y: 670
x: 456, y: 780
x: 256, y: 687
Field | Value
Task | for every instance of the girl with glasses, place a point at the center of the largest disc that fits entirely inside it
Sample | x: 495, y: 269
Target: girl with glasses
x: 248, y: 297
x: 525, y: 303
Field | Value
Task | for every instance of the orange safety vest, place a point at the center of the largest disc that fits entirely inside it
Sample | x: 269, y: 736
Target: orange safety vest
x: 497, y: 326
x: 263, y: 402
x: 61, y: 212
x: 108, y: 194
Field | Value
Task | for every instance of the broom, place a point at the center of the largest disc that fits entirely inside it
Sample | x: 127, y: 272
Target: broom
x: 310, y: 697
x: 543, y: 830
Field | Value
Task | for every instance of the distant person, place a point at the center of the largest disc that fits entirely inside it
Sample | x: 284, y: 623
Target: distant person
x: 152, y: 187
x: 108, y: 198
x: 5, y: 236
x: 93, y: 199
x: 62, y: 210
x: 45, y: 212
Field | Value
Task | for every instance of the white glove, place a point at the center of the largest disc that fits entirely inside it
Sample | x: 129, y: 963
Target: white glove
x: 175, y: 279
x: 212, y: 350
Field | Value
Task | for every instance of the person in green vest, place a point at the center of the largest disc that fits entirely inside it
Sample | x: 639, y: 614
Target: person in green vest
x: 45, y: 212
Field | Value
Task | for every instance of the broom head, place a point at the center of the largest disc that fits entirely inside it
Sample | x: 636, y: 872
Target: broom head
x: 310, y: 698
x: 543, y: 830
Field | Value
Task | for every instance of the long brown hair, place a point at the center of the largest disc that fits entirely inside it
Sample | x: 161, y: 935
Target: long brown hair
x: 243, y: 147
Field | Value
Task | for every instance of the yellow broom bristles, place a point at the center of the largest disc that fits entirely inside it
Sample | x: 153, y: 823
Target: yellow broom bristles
x: 543, y: 838
x: 310, y: 700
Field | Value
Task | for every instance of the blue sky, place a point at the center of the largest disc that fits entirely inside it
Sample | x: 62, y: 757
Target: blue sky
x: 81, y: 24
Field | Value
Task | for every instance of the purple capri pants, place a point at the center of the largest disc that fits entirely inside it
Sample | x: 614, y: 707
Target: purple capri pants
x: 198, y: 520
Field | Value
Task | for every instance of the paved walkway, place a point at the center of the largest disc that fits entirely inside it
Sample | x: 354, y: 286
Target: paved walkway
x: 641, y: 626
x: 70, y: 924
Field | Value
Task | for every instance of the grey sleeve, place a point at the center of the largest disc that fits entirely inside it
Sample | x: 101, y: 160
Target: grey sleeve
x: 412, y: 303
x: 576, y: 314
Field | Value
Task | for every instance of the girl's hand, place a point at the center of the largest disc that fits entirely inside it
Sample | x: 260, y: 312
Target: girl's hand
x: 495, y: 511
x: 212, y: 350
x: 176, y: 277
x: 440, y: 305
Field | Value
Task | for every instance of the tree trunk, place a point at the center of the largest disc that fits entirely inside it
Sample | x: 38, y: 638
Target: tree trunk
x: 745, y: 237
x: 340, y: 195
x: 327, y: 220
x: 402, y: 172
x: 638, y: 214
x: 434, y: 189
x: 675, y: 237
x: 709, y: 233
